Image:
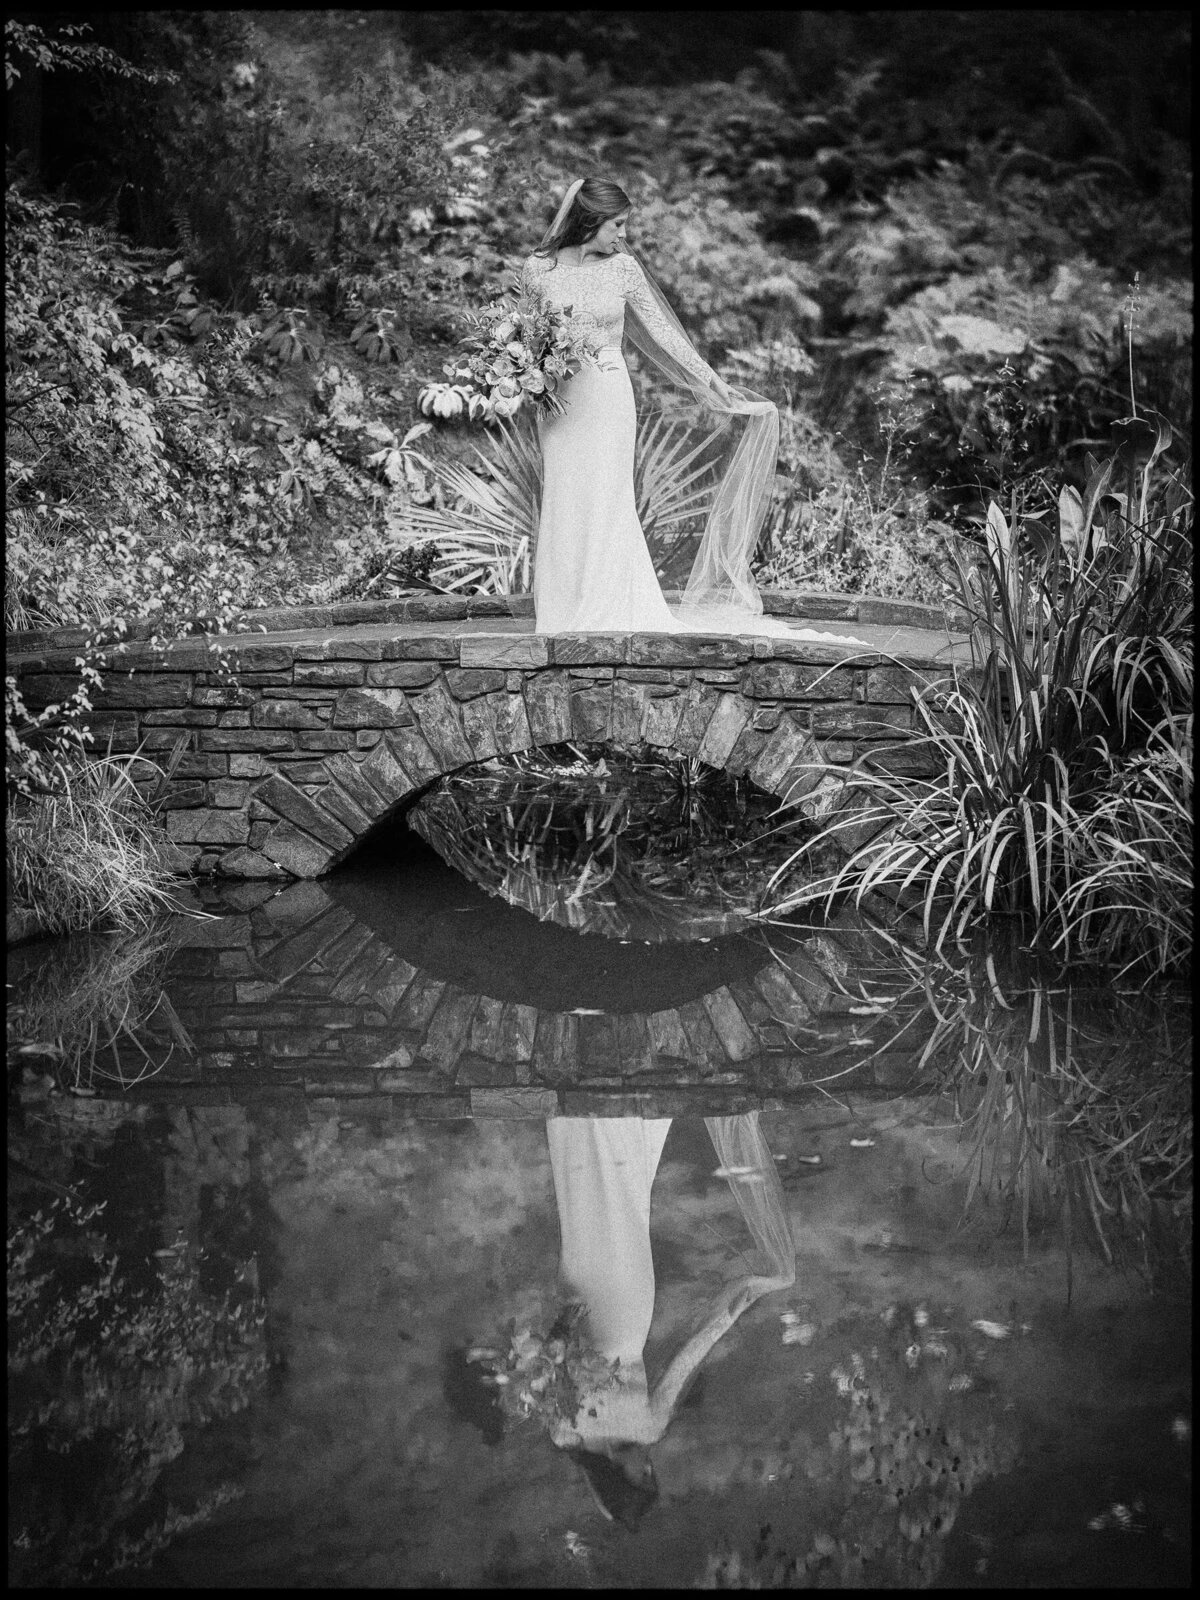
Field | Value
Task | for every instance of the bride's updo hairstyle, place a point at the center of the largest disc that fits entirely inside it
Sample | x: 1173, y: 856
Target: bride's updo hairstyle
x: 596, y: 201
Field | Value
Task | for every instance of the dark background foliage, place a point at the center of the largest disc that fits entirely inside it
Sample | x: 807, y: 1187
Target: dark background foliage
x: 913, y: 228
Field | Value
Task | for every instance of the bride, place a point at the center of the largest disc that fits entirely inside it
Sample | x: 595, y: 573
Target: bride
x: 592, y: 570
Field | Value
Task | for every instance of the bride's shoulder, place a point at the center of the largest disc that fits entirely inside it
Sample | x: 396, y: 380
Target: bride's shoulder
x: 629, y: 269
x: 534, y: 266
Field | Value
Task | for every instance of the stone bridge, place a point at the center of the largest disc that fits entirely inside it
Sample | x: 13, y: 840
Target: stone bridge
x: 303, y: 731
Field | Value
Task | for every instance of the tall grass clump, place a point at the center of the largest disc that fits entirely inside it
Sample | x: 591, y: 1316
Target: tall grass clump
x: 85, y: 851
x: 1062, y: 796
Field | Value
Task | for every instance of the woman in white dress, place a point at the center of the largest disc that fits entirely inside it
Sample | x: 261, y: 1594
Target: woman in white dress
x: 592, y: 569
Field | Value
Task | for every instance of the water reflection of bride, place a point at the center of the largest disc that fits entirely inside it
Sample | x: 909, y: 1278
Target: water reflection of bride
x: 604, y: 1170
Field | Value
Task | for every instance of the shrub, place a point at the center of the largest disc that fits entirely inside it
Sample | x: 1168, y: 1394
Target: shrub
x: 866, y: 531
x: 1006, y: 376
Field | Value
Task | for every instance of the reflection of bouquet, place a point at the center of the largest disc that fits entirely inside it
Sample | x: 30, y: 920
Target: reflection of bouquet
x: 519, y: 350
x: 545, y: 1376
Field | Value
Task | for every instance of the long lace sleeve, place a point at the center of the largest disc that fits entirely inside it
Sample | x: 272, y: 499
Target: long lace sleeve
x: 639, y: 298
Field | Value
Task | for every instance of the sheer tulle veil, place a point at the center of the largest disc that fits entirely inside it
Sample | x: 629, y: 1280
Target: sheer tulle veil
x: 737, y: 436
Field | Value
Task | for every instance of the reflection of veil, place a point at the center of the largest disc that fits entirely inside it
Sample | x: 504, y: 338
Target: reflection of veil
x: 604, y: 1169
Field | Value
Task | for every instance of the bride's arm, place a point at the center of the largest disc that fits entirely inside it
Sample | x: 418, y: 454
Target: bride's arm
x: 663, y: 331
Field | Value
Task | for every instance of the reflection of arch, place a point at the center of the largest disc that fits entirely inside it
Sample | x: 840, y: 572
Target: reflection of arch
x: 325, y: 990
x: 512, y: 956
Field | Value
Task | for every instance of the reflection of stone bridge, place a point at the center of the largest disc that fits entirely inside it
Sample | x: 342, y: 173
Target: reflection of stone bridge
x: 302, y: 994
x: 299, y: 740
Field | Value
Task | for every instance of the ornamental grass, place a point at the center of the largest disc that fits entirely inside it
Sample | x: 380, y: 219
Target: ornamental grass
x: 1062, y: 795
x: 88, y: 853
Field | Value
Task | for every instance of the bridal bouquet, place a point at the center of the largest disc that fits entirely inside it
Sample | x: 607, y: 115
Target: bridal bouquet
x: 519, y: 350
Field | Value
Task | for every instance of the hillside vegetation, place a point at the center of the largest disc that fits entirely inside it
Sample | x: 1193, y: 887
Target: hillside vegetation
x: 254, y: 240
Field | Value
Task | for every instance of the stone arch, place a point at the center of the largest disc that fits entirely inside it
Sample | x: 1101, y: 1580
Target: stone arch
x: 461, y: 716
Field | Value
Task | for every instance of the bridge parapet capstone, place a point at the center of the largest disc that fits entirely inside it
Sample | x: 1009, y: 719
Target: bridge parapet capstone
x: 291, y: 746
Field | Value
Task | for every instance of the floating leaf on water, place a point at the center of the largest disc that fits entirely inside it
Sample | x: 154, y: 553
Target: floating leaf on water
x: 1181, y: 1429
x: 961, y: 1381
x: 921, y: 1316
x: 861, y: 1144
x: 800, y: 1333
x: 810, y: 1161
x: 740, y: 1174
x: 482, y: 1353
x: 994, y: 1330
x: 912, y: 1355
x: 575, y: 1545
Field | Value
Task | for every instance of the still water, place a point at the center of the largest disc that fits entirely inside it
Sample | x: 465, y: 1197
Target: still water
x: 365, y: 1148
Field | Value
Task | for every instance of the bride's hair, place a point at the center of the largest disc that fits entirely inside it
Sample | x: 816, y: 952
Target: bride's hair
x: 597, y: 200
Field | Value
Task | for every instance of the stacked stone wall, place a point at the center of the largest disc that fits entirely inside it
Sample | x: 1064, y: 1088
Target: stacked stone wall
x: 283, y: 751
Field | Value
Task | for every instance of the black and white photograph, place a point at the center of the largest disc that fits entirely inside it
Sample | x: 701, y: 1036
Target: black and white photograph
x: 599, y: 731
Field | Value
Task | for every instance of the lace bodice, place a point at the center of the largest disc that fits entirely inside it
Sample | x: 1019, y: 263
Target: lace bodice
x: 599, y: 291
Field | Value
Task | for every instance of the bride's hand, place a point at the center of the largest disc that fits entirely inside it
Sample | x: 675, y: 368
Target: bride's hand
x: 722, y: 390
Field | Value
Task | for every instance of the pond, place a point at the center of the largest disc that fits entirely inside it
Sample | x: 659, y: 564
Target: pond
x: 881, y: 1287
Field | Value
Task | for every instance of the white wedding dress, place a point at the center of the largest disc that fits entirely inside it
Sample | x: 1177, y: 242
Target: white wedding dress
x: 593, y: 572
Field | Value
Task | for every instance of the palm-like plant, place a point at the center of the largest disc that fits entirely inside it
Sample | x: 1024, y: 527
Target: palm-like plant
x: 485, y: 529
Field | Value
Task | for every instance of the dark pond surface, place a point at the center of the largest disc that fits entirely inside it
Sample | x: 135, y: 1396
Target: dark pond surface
x: 382, y: 1131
